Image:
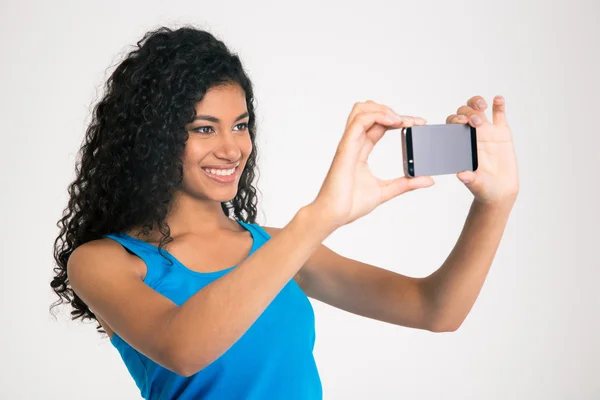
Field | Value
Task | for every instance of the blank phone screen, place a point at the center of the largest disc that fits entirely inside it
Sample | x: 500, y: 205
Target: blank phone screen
x: 442, y: 149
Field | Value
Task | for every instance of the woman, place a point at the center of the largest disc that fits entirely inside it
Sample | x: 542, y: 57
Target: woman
x: 159, y: 243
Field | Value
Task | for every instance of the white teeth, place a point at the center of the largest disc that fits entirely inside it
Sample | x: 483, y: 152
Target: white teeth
x: 221, y: 172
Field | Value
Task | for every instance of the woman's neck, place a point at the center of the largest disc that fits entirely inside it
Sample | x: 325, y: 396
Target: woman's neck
x: 189, y: 215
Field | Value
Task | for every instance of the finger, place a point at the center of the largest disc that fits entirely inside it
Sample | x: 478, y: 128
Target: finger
x: 457, y: 119
x: 395, y: 187
x: 419, y: 121
x: 411, y: 120
x: 371, y: 106
x: 362, y: 122
x: 499, y: 111
x: 477, y: 103
x: 360, y: 107
x: 475, y: 117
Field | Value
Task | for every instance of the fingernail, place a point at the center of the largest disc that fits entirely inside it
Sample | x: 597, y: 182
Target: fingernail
x: 476, y: 120
x: 481, y: 103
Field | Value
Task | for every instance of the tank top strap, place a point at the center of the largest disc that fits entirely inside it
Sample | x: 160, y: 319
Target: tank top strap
x: 142, y: 250
x: 257, y: 230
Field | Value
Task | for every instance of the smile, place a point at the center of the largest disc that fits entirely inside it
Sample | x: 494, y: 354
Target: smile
x: 222, y: 175
x: 220, y: 172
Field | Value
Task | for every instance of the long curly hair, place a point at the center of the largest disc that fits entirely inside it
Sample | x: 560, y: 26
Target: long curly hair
x: 130, y: 162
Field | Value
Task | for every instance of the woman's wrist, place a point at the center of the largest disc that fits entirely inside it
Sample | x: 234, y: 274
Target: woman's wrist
x: 315, y: 220
x: 500, y: 206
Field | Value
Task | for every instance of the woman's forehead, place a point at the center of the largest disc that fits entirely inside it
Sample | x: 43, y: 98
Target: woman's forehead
x: 223, y: 99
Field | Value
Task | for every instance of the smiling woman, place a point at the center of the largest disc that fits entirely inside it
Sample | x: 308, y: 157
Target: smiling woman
x: 159, y: 242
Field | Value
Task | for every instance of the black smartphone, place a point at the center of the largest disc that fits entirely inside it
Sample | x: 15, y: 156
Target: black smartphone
x: 439, y: 149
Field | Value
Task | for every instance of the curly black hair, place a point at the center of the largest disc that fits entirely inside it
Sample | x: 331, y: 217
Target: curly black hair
x: 130, y: 162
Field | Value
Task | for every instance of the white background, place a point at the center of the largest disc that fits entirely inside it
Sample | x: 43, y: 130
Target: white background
x: 534, y: 332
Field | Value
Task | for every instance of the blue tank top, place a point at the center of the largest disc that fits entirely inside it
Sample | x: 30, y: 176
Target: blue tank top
x: 272, y: 360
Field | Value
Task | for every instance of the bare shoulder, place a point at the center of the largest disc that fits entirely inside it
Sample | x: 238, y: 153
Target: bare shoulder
x: 106, y: 277
x: 102, y: 256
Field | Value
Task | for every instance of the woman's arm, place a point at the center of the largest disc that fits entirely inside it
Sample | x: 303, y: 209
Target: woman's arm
x: 452, y: 290
x: 187, y: 338
x: 439, y: 302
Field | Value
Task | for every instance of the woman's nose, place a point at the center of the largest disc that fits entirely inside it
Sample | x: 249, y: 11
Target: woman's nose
x: 228, y: 148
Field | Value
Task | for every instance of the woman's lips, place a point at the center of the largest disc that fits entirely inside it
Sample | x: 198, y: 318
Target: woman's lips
x: 222, y: 175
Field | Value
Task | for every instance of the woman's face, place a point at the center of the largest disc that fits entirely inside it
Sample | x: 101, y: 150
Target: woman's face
x: 218, y: 146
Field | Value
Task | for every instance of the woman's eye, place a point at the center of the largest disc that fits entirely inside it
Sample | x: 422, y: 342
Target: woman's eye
x: 244, y: 126
x: 202, y: 129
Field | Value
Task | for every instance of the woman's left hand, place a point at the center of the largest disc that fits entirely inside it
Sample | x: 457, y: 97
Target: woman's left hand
x: 496, y: 180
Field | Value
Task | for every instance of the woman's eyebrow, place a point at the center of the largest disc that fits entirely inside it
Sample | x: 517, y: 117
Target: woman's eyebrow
x: 216, y: 120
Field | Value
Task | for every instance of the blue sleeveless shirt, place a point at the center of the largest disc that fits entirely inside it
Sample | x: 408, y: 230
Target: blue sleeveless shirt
x: 272, y: 360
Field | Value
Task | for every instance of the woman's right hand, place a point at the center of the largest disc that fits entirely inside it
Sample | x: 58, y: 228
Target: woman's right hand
x: 350, y: 189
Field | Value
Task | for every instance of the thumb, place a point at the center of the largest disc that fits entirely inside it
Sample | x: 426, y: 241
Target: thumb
x: 395, y: 187
x: 471, y: 180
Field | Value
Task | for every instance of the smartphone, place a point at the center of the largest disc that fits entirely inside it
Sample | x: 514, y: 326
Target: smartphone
x: 439, y: 149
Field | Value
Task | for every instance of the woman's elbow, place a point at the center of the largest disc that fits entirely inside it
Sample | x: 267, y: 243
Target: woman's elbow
x: 444, y: 326
x: 183, y: 360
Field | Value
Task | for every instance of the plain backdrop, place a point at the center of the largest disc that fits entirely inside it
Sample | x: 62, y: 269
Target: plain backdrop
x: 534, y: 332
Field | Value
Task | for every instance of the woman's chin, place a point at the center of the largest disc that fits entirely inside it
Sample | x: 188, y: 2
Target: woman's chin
x: 222, y: 197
